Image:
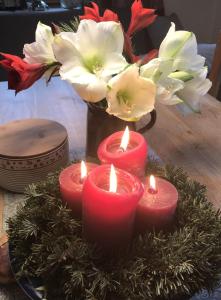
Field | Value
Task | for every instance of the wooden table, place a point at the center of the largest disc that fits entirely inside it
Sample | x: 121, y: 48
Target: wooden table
x: 192, y: 142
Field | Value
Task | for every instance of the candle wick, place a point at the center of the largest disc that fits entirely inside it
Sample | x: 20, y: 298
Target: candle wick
x: 152, y: 191
x: 82, y: 179
x: 121, y: 149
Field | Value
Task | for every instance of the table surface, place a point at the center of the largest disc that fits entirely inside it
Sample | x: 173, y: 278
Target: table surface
x: 192, y: 142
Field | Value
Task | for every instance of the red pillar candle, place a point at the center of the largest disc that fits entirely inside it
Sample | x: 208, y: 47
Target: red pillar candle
x: 71, y: 184
x: 109, y: 209
x: 125, y: 150
x: 157, y: 206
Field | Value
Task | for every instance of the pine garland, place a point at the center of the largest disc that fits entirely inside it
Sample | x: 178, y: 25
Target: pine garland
x: 72, y: 26
x: 47, y: 243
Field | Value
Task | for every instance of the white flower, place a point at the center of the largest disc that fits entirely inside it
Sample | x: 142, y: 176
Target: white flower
x: 193, y: 91
x: 176, y: 65
x: 166, y: 91
x: 158, y: 71
x: 90, y: 57
x: 130, y: 96
x: 157, y: 68
x: 181, y: 46
x: 41, y: 50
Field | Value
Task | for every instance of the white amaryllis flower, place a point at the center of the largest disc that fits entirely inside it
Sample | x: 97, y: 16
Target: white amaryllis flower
x: 166, y: 91
x: 159, y: 71
x: 90, y: 57
x: 130, y: 96
x: 193, y: 91
x: 181, y: 46
x: 176, y: 64
x: 41, y: 50
x: 156, y: 69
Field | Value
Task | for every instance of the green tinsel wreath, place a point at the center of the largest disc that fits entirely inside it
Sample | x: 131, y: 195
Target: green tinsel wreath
x: 47, y: 243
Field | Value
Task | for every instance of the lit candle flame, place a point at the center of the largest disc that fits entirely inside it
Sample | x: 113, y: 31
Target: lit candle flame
x: 113, y: 180
x: 83, y: 170
x: 153, y: 184
x: 125, y: 139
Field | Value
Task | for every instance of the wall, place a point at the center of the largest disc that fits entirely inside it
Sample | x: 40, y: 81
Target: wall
x: 203, y: 17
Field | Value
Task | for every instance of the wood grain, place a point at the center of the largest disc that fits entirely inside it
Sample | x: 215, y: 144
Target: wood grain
x: 3, y: 239
x: 1, y: 213
x: 30, y: 137
x: 192, y: 142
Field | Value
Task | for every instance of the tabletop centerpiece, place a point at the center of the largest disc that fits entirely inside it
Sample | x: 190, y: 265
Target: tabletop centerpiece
x: 97, y: 257
x: 106, y: 234
x: 128, y: 228
x: 96, y: 56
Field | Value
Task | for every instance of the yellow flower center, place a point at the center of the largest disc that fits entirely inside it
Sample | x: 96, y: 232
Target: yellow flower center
x: 93, y: 64
x: 124, y: 99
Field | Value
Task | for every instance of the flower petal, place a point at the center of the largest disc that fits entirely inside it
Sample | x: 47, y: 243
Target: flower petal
x: 90, y: 56
x: 64, y: 50
x: 189, y: 49
x: 188, y: 64
x: 181, y: 46
x: 74, y: 73
x: 109, y: 15
x: 166, y: 90
x: 105, y: 37
x: 114, y: 63
x: 173, y: 42
x: 43, y: 34
x: 193, y: 91
x: 21, y: 75
x: 94, y: 91
x: 41, y: 50
x: 91, y: 13
x: 152, y: 54
x: 130, y: 101
x: 140, y: 17
x: 157, y: 68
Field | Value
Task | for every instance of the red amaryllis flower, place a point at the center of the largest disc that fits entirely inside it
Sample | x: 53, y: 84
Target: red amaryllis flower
x: 92, y: 13
x: 149, y: 56
x: 21, y: 75
x: 140, y: 17
x: 128, y: 50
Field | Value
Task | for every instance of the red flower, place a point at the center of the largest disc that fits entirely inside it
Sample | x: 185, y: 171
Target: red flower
x: 92, y: 13
x: 140, y: 17
x: 21, y: 75
x: 128, y: 51
x: 149, y: 56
